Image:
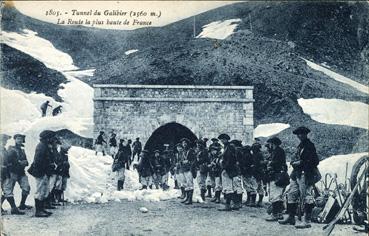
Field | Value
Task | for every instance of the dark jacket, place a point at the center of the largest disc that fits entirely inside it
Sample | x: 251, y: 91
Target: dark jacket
x: 259, y: 165
x: 63, y: 164
x: 41, y: 161
x: 113, y: 142
x: 202, y: 161
x: 144, y: 167
x: 215, y: 165
x: 187, y: 160
x: 158, y: 165
x: 229, y: 161
x: 246, y: 163
x: 15, y: 156
x: 100, y: 139
x: 277, y: 163
x: 54, y: 157
x: 137, y: 146
x: 306, y: 153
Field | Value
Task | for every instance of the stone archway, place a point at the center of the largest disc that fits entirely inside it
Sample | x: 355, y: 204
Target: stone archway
x: 170, y: 133
x: 138, y: 110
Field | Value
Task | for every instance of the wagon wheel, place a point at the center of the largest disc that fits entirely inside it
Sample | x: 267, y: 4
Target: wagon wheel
x: 359, y: 200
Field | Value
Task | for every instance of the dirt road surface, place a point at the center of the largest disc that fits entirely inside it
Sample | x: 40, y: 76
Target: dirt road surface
x: 164, y: 218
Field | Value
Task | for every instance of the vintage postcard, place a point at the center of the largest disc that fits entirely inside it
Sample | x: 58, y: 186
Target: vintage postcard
x: 184, y: 117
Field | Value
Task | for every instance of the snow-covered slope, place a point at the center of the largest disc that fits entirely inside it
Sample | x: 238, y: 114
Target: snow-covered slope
x: 360, y: 87
x: 267, y: 130
x: 336, y: 111
x: 219, y: 29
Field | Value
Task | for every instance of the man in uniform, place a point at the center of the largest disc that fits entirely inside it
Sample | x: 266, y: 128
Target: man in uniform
x: 167, y: 165
x: 215, y: 171
x: 179, y: 156
x: 259, y: 165
x: 113, y: 145
x: 4, y: 167
x: 230, y: 170
x: 145, y: 169
x: 158, y: 168
x: 17, y: 162
x: 187, y: 169
x: 237, y: 180
x: 39, y: 169
x: 100, y: 142
x: 303, y: 177
x: 249, y: 181
x: 137, y: 148
x: 276, y: 165
x: 202, y: 162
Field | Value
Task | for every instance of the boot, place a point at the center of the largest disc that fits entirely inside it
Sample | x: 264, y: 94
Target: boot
x: 186, y: 197
x: 119, y: 185
x: 227, y: 206
x: 143, y: 187
x: 252, y: 200
x: 22, y: 205
x: 260, y: 201
x: 215, y: 198
x: 183, y: 196
x: 209, y: 192
x: 218, y: 196
x: 39, y: 212
x: 47, y: 203
x: 306, y: 223
x: 190, y: 194
x: 236, y: 201
x: 202, y: 194
x: 176, y: 184
x: 274, y: 216
x: 42, y: 207
x: 14, y: 210
x: 290, y: 220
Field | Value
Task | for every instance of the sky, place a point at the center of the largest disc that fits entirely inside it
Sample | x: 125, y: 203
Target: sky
x: 169, y: 11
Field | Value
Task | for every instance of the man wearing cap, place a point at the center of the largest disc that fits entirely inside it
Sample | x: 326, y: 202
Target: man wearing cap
x: 259, y: 165
x: 230, y: 170
x: 99, y: 143
x: 113, y: 145
x: 119, y: 165
x: 276, y: 165
x: 303, y: 178
x: 158, y: 166
x: 215, y: 172
x: 40, y: 170
x: 5, y: 174
x: 137, y: 148
x: 145, y: 169
x: 202, y: 162
x: 17, y: 162
x: 187, y: 162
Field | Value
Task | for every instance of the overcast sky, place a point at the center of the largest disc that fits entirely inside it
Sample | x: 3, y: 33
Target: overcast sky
x: 171, y: 11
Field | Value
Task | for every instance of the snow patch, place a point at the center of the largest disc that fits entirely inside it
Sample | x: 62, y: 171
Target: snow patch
x: 336, y: 111
x: 340, y: 78
x: 39, y: 48
x: 219, y: 29
x: 267, y: 130
x: 130, y: 51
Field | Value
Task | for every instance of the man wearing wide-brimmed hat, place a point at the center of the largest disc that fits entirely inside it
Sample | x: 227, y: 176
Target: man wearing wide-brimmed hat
x: 276, y: 167
x: 17, y: 162
x: 303, y: 177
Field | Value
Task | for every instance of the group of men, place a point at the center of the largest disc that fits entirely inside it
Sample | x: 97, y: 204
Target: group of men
x: 44, y: 106
x: 50, y: 168
x: 228, y: 167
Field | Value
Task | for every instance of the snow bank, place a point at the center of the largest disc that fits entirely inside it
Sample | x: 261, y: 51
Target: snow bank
x: 130, y: 51
x: 267, y: 130
x: 39, y: 48
x: 219, y: 29
x: 336, y: 111
x: 337, y: 164
x: 360, y: 87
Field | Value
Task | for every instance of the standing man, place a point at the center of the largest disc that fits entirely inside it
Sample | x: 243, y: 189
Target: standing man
x: 17, y: 162
x: 167, y: 165
x: 39, y: 170
x: 230, y: 170
x: 137, y: 148
x: 237, y: 180
x: 275, y: 169
x: 44, y: 107
x: 113, y: 145
x: 187, y: 169
x: 4, y: 167
x: 179, y: 157
x: 249, y: 182
x: 144, y: 169
x: 215, y: 172
x: 63, y: 171
x: 129, y: 150
x: 100, y: 142
x: 53, y: 173
x: 119, y: 166
x: 303, y: 177
x: 202, y: 162
x: 158, y: 166
x: 259, y: 167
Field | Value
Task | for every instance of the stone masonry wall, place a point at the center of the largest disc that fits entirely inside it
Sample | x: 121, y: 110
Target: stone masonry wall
x: 137, y: 110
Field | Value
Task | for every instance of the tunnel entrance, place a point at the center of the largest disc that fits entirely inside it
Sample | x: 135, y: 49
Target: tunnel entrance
x: 170, y: 133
